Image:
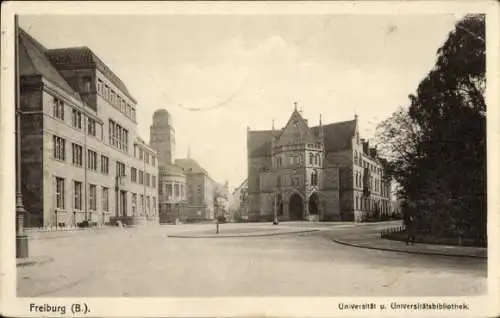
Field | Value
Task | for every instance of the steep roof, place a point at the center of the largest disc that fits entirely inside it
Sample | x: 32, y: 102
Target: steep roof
x: 337, y: 137
x: 33, y: 61
x: 74, y: 57
x: 171, y: 170
x: 259, y: 142
x: 190, y: 166
x: 296, y: 123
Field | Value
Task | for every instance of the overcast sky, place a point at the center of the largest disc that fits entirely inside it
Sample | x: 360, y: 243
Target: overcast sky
x: 257, y: 67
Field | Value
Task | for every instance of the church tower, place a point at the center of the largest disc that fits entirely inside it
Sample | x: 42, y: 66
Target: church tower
x: 162, y: 137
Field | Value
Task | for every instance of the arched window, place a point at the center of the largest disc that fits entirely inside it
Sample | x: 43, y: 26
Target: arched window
x: 310, y: 158
x: 314, y: 178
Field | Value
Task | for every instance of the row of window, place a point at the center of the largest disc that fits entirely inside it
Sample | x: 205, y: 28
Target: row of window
x: 145, y: 201
x: 60, y: 196
x: 92, y: 162
x: 358, y: 159
x: 59, y: 153
x: 76, y: 121
x: 294, y: 159
x: 138, y: 176
x: 374, y: 183
x: 144, y: 155
x: 115, y: 99
x: 176, y: 190
x: 118, y: 136
x: 367, y: 204
x: 76, y: 118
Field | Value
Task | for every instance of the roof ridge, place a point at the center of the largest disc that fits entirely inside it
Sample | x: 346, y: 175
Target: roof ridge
x: 42, y: 64
x: 99, y: 64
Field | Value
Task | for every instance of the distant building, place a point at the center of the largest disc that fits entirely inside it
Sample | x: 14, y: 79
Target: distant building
x: 172, y: 179
x: 80, y: 150
x: 314, y: 173
x: 204, y: 195
x: 238, y: 204
x: 186, y: 191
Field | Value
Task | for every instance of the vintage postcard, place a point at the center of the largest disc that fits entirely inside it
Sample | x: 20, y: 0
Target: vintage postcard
x: 250, y: 159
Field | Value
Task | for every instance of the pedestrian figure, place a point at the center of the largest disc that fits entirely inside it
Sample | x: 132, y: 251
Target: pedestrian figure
x: 410, y: 229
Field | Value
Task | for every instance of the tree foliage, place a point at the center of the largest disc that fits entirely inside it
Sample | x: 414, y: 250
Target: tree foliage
x: 436, y: 148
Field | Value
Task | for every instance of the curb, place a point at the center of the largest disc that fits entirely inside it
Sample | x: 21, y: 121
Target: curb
x: 244, y: 235
x: 31, y: 262
x: 406, y: 251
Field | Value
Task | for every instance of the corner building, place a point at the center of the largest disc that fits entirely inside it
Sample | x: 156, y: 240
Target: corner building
x: 320, y: 173
x: 82, y: 158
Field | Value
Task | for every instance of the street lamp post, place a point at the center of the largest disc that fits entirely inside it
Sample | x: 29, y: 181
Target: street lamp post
x: 275, y: 206
x: 21, y: 238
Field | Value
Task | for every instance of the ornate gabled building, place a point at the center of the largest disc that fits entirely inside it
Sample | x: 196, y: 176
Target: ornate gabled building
x: 318, y: 173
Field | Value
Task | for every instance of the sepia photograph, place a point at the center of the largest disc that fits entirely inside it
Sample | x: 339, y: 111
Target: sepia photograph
x: 253, y: 154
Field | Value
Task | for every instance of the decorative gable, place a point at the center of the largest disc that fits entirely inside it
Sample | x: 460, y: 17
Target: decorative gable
x: 296, y: 131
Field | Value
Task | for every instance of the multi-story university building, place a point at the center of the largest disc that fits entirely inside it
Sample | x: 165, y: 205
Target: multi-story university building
x: 81, y: 156
x: 317, y: 173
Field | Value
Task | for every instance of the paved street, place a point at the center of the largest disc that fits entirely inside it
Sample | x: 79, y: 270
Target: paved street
x: 120, y: 262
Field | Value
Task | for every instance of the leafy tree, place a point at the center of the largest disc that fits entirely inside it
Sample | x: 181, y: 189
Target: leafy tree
x: 436, y: 148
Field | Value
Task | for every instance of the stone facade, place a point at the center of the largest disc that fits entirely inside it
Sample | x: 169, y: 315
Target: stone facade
x: 317, y: 173
x: 79, y: 141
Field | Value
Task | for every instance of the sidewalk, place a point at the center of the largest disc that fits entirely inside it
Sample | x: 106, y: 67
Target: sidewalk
x: 372, y: 240
x: 227, y: 233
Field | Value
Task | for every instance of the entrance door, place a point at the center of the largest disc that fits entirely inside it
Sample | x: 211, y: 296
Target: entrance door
x: 313, y: 204
x: 296, y: 207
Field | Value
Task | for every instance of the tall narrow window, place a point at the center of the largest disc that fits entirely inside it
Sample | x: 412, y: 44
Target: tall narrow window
x: 92, y: 197
x: 120, y: 169
x: 92, y: 160
x: 169, y: 190
x: 77, y: 119
x: 105, y: 199
x: 59, y: 193
x: 77, y: 190
x: 58, y: 108
x: 133, y: 174
x: 104, y: 164
x: 91, y: 127
x: 59, y: 148
x: 141, y: 177
x: 77, y: 152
